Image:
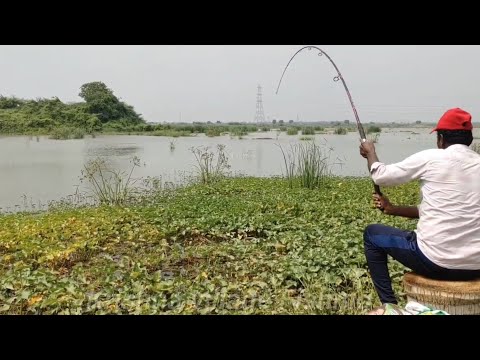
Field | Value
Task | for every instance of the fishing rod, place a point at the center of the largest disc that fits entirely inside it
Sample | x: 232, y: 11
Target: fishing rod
x: 337, y: 78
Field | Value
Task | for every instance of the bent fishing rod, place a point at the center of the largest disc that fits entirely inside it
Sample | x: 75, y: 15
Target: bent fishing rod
x: 337, y: 78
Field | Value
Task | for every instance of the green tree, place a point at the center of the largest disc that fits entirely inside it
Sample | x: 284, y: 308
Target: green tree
x: 373, y: 129
x: 10, y: 103
x: 102, y: 102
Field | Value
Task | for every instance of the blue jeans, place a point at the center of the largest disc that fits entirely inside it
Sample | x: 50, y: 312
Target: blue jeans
x: 381, y: 240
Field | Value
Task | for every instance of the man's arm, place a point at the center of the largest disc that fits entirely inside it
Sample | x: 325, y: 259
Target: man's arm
x: 410, y: 212
x: 412, y: 168
x: 382, y: 202
x: 372, y: 159
x: 367, y: 150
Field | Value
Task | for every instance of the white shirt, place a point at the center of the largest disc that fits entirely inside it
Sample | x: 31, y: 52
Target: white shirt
x: 448, y: 231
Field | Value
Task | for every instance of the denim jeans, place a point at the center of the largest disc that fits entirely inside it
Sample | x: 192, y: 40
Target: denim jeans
x: 381, y: 240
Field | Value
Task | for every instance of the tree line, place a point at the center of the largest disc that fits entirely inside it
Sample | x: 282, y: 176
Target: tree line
x: 100, y: 110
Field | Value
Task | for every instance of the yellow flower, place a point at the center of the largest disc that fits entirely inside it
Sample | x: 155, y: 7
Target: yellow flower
x: 35, y: 300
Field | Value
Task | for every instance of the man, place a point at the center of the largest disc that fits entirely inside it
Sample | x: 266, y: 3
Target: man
x: 446, y: 242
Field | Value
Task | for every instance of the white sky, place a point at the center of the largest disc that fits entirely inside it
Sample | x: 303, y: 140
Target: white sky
x: 401, y: 83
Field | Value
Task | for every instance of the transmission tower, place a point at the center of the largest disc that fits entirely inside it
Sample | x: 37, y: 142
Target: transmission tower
x: 259, y: 115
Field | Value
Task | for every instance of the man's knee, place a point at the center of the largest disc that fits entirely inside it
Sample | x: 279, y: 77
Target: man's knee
x: 369, y: 231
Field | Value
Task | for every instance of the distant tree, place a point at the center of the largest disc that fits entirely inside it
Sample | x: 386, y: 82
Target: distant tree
x: 10, y: 102
x: 373, y: 129
x: 105, y: 105
x: 96, y: 91
x: 418, y: 122
x: 290, y: 121
x: 274, y: 121
x: 347, y: 122
x: 281, y: 122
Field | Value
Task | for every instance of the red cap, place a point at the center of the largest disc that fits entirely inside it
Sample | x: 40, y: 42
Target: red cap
x: 455, y: 119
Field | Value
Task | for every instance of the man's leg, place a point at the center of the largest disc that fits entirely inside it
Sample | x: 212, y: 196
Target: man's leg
x: 380, y: 241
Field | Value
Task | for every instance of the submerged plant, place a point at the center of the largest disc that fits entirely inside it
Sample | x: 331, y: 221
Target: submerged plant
x: 109, y: 185
x: 210, y: 166
x: 373, y: 137
x: 306, y: 163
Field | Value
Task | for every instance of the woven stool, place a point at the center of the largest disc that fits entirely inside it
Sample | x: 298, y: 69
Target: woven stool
x: 454, y: 297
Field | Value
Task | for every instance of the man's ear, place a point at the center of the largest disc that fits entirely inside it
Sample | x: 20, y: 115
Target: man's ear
x: 440, y: 141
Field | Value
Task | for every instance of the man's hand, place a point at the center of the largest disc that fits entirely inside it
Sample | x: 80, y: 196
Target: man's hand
x: 382, y: 203
x: 367, y: 148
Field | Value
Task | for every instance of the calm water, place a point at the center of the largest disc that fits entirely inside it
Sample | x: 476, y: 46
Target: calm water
x: 37, y: 170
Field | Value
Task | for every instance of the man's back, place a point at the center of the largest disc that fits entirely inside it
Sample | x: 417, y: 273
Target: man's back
x: 448, y: 231
x: 446, y: 244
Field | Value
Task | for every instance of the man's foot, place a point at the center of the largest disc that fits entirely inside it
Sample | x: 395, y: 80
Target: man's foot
x: 377, y: 311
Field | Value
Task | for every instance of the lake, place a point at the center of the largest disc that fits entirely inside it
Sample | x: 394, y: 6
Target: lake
x: 35, y: 170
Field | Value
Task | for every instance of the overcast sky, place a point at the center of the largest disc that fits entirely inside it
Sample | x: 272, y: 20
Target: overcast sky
x: 400, y: 83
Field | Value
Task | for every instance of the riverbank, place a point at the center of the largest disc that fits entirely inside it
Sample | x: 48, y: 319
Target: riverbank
x: 241, y: 246
x: 176, y: 130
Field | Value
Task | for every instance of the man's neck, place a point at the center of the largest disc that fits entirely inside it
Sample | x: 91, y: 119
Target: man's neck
x: 450, y: 145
